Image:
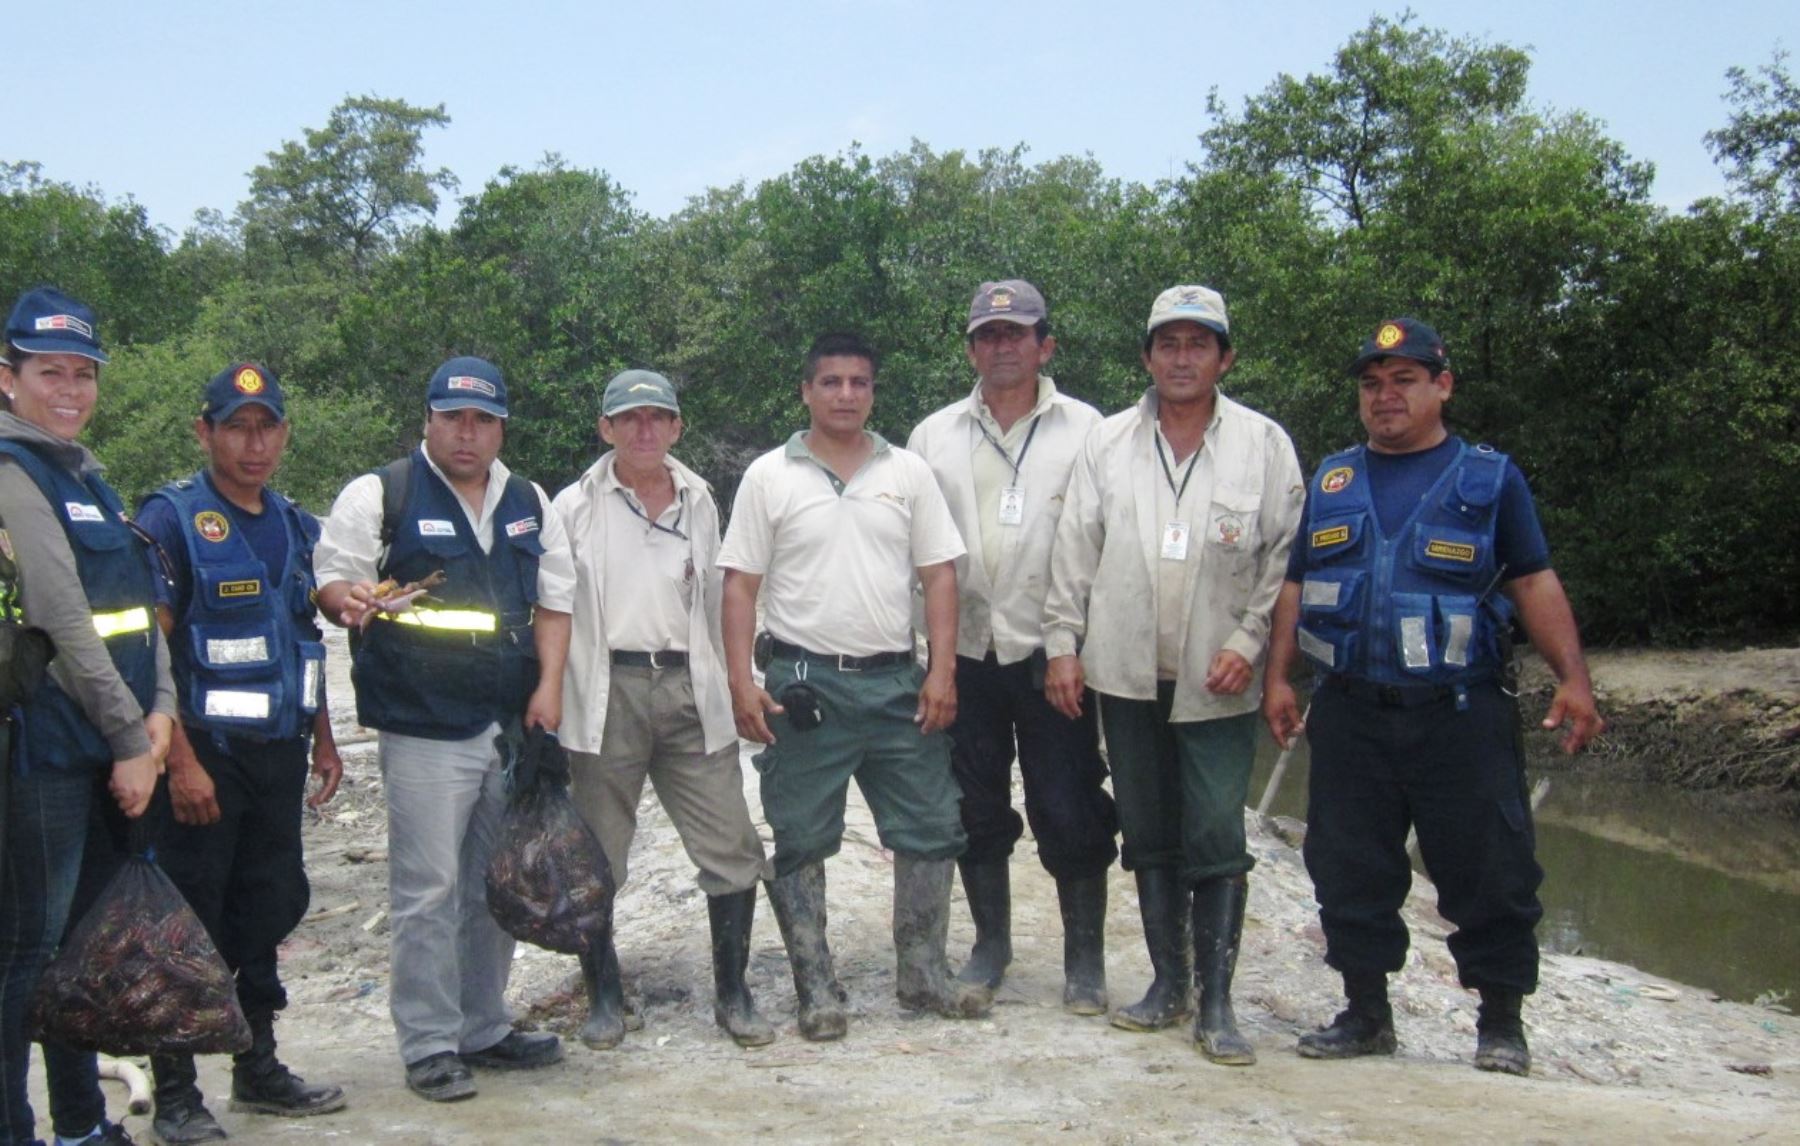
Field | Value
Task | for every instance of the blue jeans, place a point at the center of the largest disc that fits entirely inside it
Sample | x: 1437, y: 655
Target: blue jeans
x: 60, y: 850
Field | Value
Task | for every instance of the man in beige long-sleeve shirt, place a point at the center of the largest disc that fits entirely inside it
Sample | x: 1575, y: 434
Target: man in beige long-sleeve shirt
x: 1186, y: 501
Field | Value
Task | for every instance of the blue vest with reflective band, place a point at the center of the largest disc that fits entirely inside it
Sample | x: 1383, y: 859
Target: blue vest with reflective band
x: 114, y: 568
x: 1420, y: 607
x: 448, y: 669
x: 242, y: 655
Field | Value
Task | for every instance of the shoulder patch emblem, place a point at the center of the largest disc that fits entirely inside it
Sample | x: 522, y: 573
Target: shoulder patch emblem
x: 1336, y: 535
x: 1451, y: 551
x: 212, y: 525
x: 1336, y: 479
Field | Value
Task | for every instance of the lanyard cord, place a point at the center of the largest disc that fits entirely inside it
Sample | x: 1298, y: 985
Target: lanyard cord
x: 675, y: 530
x: 1169, y: 474
x: 1001, y: 450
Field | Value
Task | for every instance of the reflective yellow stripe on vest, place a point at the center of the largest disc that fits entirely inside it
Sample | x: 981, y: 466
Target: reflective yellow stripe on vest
x: 452, y: 620
x: 124, y: 621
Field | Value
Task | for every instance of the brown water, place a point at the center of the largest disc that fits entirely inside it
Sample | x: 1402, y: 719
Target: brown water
x: 1643, y: 874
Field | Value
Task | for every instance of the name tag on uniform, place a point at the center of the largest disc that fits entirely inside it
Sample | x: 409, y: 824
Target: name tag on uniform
x: 1175, y: 541
x: 431, y: 528
x: 1012, y: 505
x: 80, y: 512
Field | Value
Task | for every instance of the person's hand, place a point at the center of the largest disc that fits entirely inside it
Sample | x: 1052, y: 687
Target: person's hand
x: 748, y: 706
x: 191, y: 793
x: 1573, y: 705
x: 937, y: 700
x: 161, y: 731
x: 329, y: 768
x: 359, y: 607
x: 1229, y: 674
x: 1281, y: 710
x: 1064, y: 684
x: 133, y: 783
x: 544, y: 710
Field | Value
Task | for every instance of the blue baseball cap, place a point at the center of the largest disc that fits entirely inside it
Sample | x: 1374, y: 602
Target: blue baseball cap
x: 1404, y: 338
x: 239, y: 385
x: 47, y: 321
x: 468, y: 384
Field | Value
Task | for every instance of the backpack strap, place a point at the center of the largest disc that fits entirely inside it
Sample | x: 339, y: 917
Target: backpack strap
x: 396, y: 486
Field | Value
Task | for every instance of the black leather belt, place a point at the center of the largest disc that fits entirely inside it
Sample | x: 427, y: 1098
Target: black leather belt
x: 842, y: 663
x: 1398, y: 695
x: 663, y: 660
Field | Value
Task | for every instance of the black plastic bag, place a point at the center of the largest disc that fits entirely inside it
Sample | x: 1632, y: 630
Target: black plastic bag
x: 139, y: 975
x: 548, y: 882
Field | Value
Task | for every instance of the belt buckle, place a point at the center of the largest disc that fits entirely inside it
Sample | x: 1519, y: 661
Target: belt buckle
x: 844, y: 665
x: 656, y: 664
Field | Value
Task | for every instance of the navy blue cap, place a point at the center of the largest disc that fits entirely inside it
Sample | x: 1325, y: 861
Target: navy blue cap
x: 468, y: 384
x: 47, y: 321
x: 1404, y: 338
x: 239, y: 385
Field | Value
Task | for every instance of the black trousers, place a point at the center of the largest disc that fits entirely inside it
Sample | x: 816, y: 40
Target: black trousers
x: 1066, y: 802
x: 245, y: 875
x: 1458, y: 777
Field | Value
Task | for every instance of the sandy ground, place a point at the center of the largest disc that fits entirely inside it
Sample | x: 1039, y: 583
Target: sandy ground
x: 1620, y: 1056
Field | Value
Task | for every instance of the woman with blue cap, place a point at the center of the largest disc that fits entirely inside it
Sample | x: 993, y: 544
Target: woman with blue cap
x: 98, y: 725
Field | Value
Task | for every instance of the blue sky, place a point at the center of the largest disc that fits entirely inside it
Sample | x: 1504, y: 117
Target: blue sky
x: 174, y: 101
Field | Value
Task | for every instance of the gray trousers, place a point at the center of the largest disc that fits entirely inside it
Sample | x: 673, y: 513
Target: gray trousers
x: 449, y: 960
x: 653, y: 731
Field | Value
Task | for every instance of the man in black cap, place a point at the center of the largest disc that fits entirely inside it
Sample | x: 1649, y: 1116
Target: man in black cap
x: 249, y: 670
x: 1415, y: 554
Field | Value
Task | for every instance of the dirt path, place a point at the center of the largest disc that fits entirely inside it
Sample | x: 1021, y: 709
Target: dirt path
x: 1621, y: 1056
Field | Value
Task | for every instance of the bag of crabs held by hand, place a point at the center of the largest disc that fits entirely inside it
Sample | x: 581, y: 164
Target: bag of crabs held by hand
x: 548, y: 882
x: 139, y: 975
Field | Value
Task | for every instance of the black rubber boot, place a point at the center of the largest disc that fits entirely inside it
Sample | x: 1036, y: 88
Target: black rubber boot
x: 1218, y: 930
x: 733, y: 1008
x: 607, y: 1020
x: 989, y: 888
x: 1366, y: 1026
x: 181, y: 1116
x: 260, y: 1084
x: 921, y: 926
x: 1083, y: 903
x: 1164, y: 903
x: 1500, y: 1034
x: 799, y: 902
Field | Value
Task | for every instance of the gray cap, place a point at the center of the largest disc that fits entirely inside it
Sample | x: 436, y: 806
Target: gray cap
x: 1013, y: 300
x: 630, y: 389
x: 1200, y: 304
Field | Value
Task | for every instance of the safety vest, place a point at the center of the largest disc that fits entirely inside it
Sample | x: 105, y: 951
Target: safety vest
x: 446, y: 670
x: 242, y: 654
x: 1419, y: 607
x: 113, y: 565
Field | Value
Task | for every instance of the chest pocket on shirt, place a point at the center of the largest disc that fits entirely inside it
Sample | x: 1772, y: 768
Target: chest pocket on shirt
x: 102, y: 536
x: 1231, y: 520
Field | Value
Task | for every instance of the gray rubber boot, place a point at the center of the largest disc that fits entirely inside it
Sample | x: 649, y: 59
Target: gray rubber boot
x: 921, y: 926
x: 1500, y: 1034
x: 1218, y: 930
x: 989, y: 890
x: 1083, y: 903
x: 181, y: 1116
x: 799, y: 902
x: 1364, y: 1027
x: 733, y: 1008
x: 1163, y: 900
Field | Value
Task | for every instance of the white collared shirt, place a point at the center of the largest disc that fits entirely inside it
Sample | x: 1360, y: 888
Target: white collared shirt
x: 649, y: 580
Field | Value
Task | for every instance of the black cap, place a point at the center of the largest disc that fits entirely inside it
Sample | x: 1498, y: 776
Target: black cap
x: 238, y: 385
x: 1404, y: 338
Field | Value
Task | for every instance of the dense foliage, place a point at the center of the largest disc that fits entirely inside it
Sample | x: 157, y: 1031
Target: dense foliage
x: 1640, y: 364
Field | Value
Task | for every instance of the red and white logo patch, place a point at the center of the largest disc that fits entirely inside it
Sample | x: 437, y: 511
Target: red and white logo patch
x: 522, y: 526
x: 64, y: 322
x: 464, y: 382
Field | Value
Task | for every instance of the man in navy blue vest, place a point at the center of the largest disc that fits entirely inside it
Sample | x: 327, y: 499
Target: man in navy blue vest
x: 438, y: 681
x: 1414, y: 555
x: 249, y: 670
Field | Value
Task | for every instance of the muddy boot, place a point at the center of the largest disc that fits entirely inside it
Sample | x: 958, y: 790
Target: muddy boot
x: 1164, y: 903
x: 733, y: 1009
x: 921, y: 925
x: 799, y: 902
x: 1500, y: 1034
x: 1083, y: 903
x: 989, y: 888
x: 1366, y: 1026
x: 1218, y: 928
x: 260, y: 1084
x: 181, y: 1117
x: 607, y: 1021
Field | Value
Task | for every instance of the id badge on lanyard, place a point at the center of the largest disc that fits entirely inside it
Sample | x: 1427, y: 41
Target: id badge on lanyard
x: 1012, y: 505
x: 1175, y: 541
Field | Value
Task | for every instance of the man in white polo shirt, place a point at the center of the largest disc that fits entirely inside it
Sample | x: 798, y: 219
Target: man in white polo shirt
x: 836, y: 525
x: 644, y: 690
x: 1168, y: 559
x: 1002, y: 456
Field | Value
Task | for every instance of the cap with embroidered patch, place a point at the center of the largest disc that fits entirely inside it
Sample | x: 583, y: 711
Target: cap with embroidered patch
x: 630, y: 389
x: 47, y: 321
x: 468, y: 384
x: 1404, y: 338
x: 1013, y: 300
x: 1200, y: 304
x: 242, y: 384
